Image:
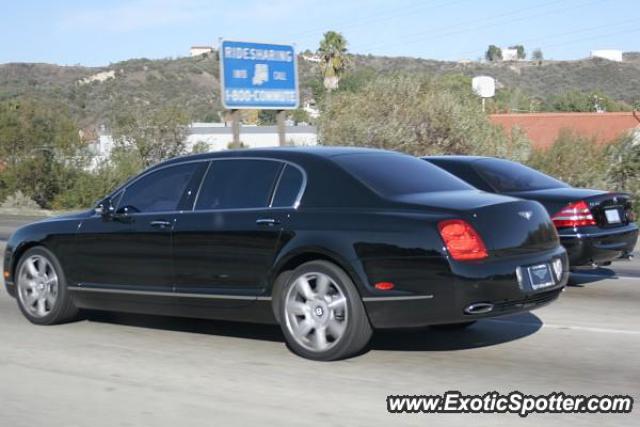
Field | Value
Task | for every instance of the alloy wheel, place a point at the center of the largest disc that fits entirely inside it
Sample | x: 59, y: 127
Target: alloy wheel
x: 37, y: 286
x: 316, y: 311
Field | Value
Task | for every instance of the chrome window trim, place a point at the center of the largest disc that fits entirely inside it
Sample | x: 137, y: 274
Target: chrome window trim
x: 202, y: 178
x: 274, y: 190
x: 295, y: 205
x: 143, y: 175
x: 297, y: 200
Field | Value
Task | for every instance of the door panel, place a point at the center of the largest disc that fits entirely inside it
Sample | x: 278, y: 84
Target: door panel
x: 132, y: 248
x: 227, y: 244
x: 125, y: 251
x: 225, y: 251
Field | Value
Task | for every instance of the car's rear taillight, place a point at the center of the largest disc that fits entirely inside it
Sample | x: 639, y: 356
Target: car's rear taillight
x: 575, y: 214
x: 462, y: 241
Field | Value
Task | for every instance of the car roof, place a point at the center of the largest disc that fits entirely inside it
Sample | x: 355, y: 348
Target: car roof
x: 283, y: 153
x: 458, y: 158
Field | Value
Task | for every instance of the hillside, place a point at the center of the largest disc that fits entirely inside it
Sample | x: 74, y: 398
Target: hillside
x: 193, y: 84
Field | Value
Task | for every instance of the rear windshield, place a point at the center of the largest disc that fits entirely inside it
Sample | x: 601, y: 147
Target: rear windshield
x: 392, y: 174
x: 506, y: 176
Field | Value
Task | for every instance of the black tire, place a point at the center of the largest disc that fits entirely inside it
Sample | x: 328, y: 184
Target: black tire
x: 63, y: 310
x: 357, y: 330
x: 454, y: 326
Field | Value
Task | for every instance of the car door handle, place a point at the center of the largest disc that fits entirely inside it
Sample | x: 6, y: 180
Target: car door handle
x: 160, y: 223
x: 267, y: 221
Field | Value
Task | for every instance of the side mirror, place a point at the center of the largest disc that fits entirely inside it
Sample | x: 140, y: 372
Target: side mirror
x: 105, y: 208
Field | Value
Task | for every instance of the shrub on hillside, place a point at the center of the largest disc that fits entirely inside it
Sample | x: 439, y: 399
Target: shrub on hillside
x: 90, y: 186
x: 623, y: 172
x: 418, y: 115
x: 574, y: 159
x: 19, y: 200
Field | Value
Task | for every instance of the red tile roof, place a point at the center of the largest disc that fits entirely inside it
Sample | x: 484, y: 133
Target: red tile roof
x: 543, y: 128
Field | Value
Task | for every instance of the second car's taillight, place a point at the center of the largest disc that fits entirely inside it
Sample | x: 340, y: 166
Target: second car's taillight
x: 462, y: 241
x: 575, y: 214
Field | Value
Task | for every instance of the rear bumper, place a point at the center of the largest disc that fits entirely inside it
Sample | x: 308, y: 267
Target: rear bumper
x: 598, y: 246
x: 493, y: 284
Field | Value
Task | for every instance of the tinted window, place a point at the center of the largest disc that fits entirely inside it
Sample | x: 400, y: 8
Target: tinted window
x: 506, y: 176
x: 464, y: 172
x: 288, y: 187
x: 235, y: 184
x: 392, y: 174
x: 158, y: 191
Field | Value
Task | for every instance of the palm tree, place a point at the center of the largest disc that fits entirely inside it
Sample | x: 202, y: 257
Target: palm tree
x: 332, y: 50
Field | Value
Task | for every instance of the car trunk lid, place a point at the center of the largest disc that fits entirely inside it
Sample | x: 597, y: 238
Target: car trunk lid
x: 507, y: 226
x: 609, y: 210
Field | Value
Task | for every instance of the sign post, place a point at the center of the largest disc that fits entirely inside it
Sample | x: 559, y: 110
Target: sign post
x: 235, y: 127
x: 484, y: 87
x: 258, y: 76
x: 280, y: 117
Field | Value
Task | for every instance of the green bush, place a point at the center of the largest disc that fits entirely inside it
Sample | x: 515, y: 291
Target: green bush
x: 19, y: 200
x: 574, y: 159
x: 418, y: 115
x: 90, y: 186
x: 623, y: 172
x: 582, y: 162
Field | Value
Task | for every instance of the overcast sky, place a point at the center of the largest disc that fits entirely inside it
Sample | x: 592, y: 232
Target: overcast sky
x: 101, y: 32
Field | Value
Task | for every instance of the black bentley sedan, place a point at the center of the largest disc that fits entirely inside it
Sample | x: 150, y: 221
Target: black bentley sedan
x: 328, y: 242
x: 596, y: 227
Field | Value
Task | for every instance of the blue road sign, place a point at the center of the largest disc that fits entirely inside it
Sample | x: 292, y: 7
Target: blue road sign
x: 258, y: 75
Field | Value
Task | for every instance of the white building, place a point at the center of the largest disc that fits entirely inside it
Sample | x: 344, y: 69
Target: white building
x: 218, y: 137
x: 509, y: 54
x: 610, y: 54
x: 312, y: 58
x: 201, y: 50
x: 311, y: 108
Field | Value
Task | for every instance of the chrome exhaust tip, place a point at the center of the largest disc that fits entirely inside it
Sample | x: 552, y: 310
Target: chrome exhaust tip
x: 479, y: 308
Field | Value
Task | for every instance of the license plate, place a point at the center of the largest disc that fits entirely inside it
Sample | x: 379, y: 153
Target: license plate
x: 613, y: 216
x: 540, y: 276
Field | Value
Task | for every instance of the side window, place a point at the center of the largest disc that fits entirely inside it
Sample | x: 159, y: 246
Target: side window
x: 289, y: 187
x: 158, y: 191
x: 237, y: 184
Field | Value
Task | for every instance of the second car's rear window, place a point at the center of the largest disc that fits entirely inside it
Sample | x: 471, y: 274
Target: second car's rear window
x: 506, y: 176
x: 394, y: 174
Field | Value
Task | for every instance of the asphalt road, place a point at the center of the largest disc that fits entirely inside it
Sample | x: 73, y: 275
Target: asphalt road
x: 130, y: 370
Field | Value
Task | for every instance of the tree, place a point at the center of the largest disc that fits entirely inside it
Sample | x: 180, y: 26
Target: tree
x: 623, y: 160
x: 494, y: 53
x: 200, y: 147
x: 520, y: 51
x: 507, y: 100
x: 299, y: 116
x: 267, y: 117
x: 573, y: 158
x: 576, y: 101
x: 536, y: 55
x: 151, y: 136
x: 41, y: 148
x: 418, y: 115
x: 332, y: 50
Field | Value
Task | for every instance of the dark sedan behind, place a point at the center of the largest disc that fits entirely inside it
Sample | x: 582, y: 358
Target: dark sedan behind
x: 596, y: 227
